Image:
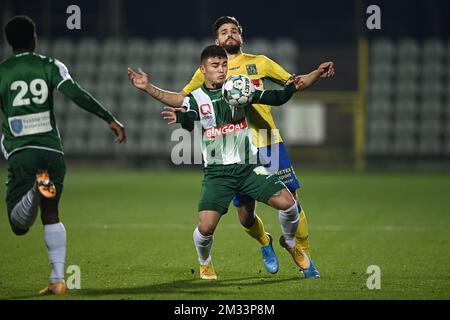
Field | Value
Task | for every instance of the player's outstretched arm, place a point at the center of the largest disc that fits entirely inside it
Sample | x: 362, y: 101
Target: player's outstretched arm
x: 141, y: 81
x: 87, y: 102
x: 280, y: 96
x: 325, y: 70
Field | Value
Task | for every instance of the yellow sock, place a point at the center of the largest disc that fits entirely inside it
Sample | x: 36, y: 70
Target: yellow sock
x: 257, y: 232
x: 302, y: 233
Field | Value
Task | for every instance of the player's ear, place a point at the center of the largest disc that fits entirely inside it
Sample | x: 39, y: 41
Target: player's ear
x: 216, y: 42
x: 202, y: 68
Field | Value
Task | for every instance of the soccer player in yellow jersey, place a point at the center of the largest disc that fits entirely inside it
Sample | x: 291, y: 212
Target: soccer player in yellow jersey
x: 259, y: 68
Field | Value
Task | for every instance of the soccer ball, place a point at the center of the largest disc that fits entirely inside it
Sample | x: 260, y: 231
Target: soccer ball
x: 238, y: 90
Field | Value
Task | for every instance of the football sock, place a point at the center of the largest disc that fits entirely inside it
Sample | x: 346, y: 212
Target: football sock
x: 203, y: 245
x: 302, y: 232
x: 25, y: 212
x: 55, y: 240
x: 289, y: 220
x: 257, y: 232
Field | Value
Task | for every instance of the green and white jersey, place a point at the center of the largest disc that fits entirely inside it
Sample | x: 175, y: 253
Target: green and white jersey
x: 27, y: 81
x: 225, y: 132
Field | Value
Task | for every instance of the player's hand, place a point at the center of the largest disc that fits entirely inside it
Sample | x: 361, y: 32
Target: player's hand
x: 296, y: 80
x: 139, y: 79
x: 326, y: 69
x: 170, y: 114
x: 119, y: 131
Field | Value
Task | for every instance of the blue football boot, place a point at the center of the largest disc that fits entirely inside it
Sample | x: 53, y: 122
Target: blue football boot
x: 269, y: 257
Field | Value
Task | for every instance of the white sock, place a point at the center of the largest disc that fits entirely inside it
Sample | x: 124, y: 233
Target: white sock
x: 203, y: 245
x: 25, y: 212
x: 289, y: 223
x: 55, y: 240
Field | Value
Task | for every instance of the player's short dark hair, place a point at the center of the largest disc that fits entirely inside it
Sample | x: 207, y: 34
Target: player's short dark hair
x: 223, y: 20
x: 20, y: 31
x: 213, y: 51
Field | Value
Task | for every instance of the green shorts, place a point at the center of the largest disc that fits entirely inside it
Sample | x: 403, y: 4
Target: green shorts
x: 22, y: 168
x: 220, y: 183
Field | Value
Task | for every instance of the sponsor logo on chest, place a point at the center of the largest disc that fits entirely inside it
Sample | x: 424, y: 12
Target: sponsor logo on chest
x: 225, y: 129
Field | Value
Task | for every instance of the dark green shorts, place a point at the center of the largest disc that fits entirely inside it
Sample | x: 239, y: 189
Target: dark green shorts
x: 220, y: 183
x: 22, y: 168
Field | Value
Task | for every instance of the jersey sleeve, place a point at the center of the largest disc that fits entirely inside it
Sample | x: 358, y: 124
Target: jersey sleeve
x: 85, y: 100
x: 196, y: 82
x: 274, y: 97
x: 188, y: 118
x: 275, y: 72
x: 58, y: 73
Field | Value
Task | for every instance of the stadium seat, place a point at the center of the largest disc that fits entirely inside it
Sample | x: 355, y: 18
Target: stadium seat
x: 113, y: 50
x: 429, y: 147
x: 380, y: 71
x: 382, y: 50
x: 262, y: 46
x: 64, y: 50
x: 187, y: 51
x: 379, y: 108
x: 404, y: 146
x: 407, y: 70
x: 287, y: 52
x: 432, y: 88
x: 379, y: 128
x: 380, y: 90
x: 406, y: 89
x: 408, y: 50
x: 431, y: 108
x: 161, y: 50
x: 87, y: 50
x: 433, y: 50
x: 378, y: 147
x: 405, y: 128
x: 406, y: 107
x: 137, y: 48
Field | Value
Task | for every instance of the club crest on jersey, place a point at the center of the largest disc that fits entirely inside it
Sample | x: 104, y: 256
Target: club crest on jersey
x: 17, y: 126
x: 251, y: 69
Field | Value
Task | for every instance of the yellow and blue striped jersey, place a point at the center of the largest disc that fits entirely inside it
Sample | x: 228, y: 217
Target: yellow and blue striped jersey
x: 259, y: 68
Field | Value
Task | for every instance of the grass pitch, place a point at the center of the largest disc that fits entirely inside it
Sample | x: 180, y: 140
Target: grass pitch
x: 131, y: 235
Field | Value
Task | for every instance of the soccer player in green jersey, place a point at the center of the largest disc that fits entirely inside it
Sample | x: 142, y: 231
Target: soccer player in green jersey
x: 228, y: 34
x: 31, y: 142
x: 231, y: 160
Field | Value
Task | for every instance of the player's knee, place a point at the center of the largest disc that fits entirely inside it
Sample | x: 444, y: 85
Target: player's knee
x: 282, y: 200
x: 205, y: 229
x: 246, y: 215
x: 16, y: 230
x: 247, y: 221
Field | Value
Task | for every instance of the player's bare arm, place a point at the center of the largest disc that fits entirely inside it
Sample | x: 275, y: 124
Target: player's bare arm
x: 141, y: 81
x: 324, y: 71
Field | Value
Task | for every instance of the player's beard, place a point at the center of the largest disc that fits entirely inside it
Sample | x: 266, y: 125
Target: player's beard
x: 232, y: 49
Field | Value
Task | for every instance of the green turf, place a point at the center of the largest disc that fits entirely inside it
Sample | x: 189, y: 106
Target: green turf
x: 131, y: 234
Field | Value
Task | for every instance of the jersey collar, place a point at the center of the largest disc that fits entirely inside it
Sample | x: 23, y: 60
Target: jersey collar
x: 211, y: 90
